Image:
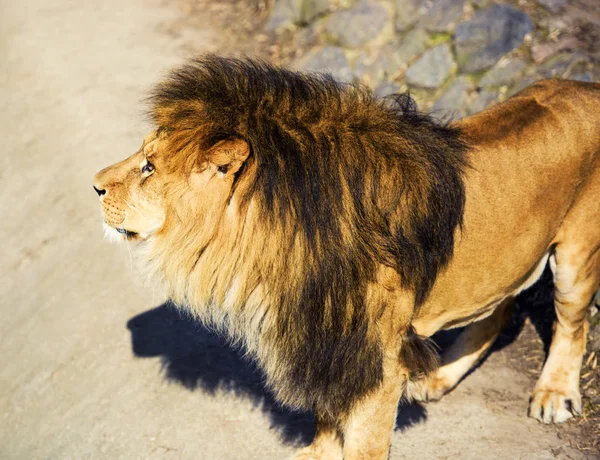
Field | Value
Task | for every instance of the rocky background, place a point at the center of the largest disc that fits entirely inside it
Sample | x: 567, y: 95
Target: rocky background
x: 455, y: 57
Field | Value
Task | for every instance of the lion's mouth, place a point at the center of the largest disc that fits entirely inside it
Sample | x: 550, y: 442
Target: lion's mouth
x: 127, y: 233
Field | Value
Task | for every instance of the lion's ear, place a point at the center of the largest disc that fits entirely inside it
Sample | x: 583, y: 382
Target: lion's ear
x: 150, y: 147
x: 229, y: 155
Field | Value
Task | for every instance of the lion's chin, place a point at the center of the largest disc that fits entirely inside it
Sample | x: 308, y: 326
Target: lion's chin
x: 118, y: 235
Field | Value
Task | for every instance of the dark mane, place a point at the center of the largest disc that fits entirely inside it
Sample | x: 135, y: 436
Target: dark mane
x: 365, y: 181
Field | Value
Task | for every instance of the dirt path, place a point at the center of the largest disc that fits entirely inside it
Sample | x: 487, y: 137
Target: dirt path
x: 76, y: 323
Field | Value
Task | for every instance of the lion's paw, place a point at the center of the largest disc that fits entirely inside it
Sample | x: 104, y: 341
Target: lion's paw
x: 548, y: 406
x: 319, y: 452
x: 309, y: 453
x: 432, y: 389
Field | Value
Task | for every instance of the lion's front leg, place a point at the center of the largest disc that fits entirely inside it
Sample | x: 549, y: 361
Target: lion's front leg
x: 366, y: 430
x: 364, y: 433
x: 327, y: 444
x: 370, y: 424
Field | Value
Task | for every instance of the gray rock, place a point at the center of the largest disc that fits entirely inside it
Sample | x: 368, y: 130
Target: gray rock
x: 329, y: 59
x: 452, y: 103
x: 395, y: 57
x: 443, y: 16
x: 361, y: 67
x: 522, y: 83
x: 493, y: 32
x: 431, y: 69
x: 408, y: 13
x: 412, y: 45
x: 281, y: 16
x: 553, y: 5
x: 481, y: 101
x: 503, y: 73
x: 386, y: 88
x: 358, y: 25
x: 541, y: 51
x: 584, y: 76
x: 561, y: 64
x: 287, y: 12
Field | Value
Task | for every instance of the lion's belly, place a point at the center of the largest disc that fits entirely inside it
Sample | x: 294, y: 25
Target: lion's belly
x: 431, y: 320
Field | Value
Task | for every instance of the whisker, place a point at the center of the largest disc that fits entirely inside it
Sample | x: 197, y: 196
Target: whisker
x: 130, y: 253
x: 132, y: 207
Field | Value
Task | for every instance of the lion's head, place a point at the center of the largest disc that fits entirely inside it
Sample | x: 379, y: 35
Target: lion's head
x: 152, y: 189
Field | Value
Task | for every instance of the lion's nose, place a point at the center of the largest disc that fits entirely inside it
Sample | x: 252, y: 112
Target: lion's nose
x: 100, y: 192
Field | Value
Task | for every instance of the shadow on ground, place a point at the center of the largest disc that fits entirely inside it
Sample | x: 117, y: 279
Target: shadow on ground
x: 537, y: 305
x: 199, y: 358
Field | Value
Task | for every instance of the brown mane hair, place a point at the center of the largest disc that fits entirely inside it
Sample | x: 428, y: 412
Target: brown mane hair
x: 338, y: 183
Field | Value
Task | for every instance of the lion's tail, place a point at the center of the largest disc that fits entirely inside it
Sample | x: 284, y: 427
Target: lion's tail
x: 420, y: 356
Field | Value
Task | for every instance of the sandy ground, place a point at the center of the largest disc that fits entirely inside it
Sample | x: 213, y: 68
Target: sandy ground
x: 92, y: 365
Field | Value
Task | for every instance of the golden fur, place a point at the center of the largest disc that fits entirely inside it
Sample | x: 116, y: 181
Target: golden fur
x: 326, y: 301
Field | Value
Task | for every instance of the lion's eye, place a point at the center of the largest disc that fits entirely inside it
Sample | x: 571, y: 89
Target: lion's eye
x: 147, y: 168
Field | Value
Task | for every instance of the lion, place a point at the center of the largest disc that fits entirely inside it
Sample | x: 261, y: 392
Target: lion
x: 332, y: 232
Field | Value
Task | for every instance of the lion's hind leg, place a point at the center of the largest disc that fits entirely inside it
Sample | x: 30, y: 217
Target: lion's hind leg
x: 575, y: 264
x: 462, y: 355
x: 556, y: 396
